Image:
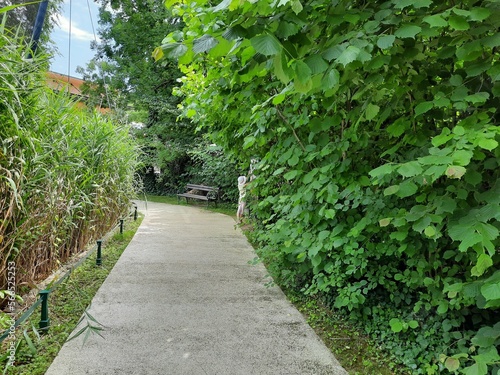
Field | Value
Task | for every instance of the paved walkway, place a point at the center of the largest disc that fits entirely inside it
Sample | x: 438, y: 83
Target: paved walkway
x: 183, y: 300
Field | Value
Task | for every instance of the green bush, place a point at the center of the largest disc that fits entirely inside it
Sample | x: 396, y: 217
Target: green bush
x: 376, y: 127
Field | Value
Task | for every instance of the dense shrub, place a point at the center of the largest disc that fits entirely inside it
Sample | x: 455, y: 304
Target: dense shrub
x: 376, y: 127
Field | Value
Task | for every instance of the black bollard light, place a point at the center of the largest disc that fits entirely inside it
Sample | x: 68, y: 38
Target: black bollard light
x: 98, y: 260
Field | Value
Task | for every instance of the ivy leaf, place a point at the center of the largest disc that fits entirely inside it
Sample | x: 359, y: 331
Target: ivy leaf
x: 204, y: 43
x: 436, y: 21
x: 408, y: 31
x: 386, y: 41
x: 266, y: 44
x: 458, y: 23
x: 348, y: 55
x: 371, y: 111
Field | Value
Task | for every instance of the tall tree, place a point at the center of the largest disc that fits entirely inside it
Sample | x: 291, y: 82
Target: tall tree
x: 129, y: 31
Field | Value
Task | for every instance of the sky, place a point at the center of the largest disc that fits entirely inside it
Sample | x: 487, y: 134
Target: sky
x: 81, y: 36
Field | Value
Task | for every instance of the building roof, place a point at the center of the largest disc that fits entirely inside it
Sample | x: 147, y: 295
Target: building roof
x: 60, y: 82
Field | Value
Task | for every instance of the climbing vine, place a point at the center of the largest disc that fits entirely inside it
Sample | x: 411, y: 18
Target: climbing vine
x: 376, y: 127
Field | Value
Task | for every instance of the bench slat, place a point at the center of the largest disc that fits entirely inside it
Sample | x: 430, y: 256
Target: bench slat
x: 194, y: 196
x: 201, y: 187
x: 208, y: 197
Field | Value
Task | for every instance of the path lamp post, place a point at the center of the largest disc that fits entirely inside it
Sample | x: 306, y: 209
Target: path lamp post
x: 44, y: 319
x: 98, y: 260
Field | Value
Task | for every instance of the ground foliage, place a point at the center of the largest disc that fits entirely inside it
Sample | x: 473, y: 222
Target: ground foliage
x: 376, y: 127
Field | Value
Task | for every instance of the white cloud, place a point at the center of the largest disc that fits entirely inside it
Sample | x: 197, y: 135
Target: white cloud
x: 76, y: 32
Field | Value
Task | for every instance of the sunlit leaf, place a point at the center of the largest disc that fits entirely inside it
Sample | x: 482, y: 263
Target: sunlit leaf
x: 204, y: 44
x: 349, y: 55
x: 266, y: 44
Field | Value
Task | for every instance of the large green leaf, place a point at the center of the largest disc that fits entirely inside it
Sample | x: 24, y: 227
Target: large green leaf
x: 302, y: 72
x: 266, y: 44
x: 316, y: 64
x: 423, y: 107
x: 488, y: 144
x: 458, y: 23
x: 484, y: 262
x: 386, y: 41
x: 348, y: 55
x: 371, y: 111
x: 436, y: 21
x: 479, y: 14
x: 224, y: 4
x: 204, y: 44
x: 330, y: 79
x: 491, y: 291
x: 410, y: 169
x: 281, y: 68
x: 408, y: 31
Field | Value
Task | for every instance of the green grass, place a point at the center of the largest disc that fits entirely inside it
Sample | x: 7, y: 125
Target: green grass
x: 67, y: 303
x: 222, y: 207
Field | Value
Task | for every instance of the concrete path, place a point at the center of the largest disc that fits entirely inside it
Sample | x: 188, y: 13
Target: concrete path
x: 183, y: 300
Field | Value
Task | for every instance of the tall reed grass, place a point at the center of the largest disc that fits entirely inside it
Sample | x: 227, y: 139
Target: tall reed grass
x: 66, y: 174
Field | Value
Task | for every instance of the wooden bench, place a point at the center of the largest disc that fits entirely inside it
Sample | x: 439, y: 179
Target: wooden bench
x: 200, y: 192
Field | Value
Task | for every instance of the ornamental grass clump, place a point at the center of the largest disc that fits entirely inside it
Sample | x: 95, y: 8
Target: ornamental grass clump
x: 66, y: 174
